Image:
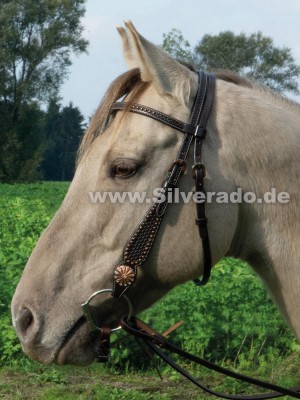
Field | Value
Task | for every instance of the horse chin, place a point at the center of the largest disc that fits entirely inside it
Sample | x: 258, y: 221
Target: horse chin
x: 78, y: 349
x: 78, y: 344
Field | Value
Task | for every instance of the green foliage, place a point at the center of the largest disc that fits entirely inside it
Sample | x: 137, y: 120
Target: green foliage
x: 42, y: 144
x: 63, y: 132
x: 36, y: 42
x: 25, y: 210
x: 37, y: 39
x: 231, y: 320
x: 177, y: 46
x: 92, y: 383
x: 21, y: 144
x: 254, y: 56
x: 9, y: 142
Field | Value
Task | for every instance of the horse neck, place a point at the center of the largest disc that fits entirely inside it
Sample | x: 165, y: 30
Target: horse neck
x: 259, y: 147
x: 258, y: 142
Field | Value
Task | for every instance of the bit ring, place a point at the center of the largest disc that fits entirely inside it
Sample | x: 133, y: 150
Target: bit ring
x: 87, y: 312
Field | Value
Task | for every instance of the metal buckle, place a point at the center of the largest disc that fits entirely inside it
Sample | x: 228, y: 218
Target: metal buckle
x: 181, y: 163
x: 87, y: 312
x: 198, y: 166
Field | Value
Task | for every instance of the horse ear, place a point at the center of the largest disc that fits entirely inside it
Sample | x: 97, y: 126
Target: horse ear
x: 156, y: 66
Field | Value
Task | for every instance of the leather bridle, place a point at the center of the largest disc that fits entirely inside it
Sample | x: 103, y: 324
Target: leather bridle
x: 142, y: 239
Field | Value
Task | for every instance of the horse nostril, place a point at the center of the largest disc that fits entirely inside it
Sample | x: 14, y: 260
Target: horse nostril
x: 24, y: 322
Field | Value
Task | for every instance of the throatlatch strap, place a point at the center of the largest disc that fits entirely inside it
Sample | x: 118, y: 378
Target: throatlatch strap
x: 199, y: 175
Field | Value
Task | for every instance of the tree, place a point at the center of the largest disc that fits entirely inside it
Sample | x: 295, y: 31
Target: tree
x: 63, y: 132
x: 9, y: 143
x: 36, y: 42
x: 37, y: 39
x: 21, y: 143
x: 51, y: 133
x: 254, y: 56
x: 72, y: 132
x: 177, y: 46
x: 29, y: 131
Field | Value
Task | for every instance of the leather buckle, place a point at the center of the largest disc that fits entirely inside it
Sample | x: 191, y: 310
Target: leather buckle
x: 181, y: 163
x: 201, y: 221
x: 200, y: 132
x: 198, y: 166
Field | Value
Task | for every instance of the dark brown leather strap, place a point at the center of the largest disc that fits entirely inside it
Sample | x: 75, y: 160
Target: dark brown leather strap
x: 157, y: 115
x: 156, y: 342
x: 103, y: 346
x: 142, y: 239
x: 199, y: 175
x: 136, y: 251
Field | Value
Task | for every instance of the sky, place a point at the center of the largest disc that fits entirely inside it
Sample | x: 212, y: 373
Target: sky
x: 91, y: 74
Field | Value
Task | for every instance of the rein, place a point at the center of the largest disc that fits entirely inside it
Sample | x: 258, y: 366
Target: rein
x: 157, y: 342
x: 142, y: 239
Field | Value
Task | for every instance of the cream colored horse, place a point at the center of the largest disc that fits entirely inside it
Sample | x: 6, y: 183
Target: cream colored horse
x: 253, y: 142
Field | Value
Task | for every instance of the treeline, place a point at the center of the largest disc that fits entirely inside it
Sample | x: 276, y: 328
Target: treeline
x: 41, y: 144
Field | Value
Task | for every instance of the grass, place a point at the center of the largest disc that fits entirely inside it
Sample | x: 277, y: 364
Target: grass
x: 94, y: 382
x: 51, y: 193
x: 30, y: 381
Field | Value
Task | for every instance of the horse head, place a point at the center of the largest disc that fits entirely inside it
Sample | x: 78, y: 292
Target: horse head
x: 126, y: 153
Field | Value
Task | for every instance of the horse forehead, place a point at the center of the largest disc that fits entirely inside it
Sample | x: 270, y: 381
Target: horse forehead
x: 138, y: 130
x: 130, y: 135
x: 138, y: 133
x: 164, y: 103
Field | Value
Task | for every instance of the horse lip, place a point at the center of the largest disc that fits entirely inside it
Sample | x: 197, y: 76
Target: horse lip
x: 78, y: 345
x: 69, y: 335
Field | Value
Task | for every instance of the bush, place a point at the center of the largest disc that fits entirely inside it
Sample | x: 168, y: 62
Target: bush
x: 25, y: 211
x: 231, y: 319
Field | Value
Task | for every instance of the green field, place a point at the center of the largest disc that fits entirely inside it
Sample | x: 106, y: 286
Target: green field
x: 230, y: 321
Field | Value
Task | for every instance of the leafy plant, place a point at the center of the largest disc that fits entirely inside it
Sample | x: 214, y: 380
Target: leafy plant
x: 25, y: 210
x: 231, y: 320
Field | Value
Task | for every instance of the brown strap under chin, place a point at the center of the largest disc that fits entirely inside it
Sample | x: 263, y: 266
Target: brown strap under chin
x: 103, y: 346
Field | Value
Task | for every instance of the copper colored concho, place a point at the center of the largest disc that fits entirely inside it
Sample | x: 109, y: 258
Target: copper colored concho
x: 124, y: 275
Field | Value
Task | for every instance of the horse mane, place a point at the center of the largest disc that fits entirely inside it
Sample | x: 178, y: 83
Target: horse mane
x: 260, y: 88
x: 130, y: 82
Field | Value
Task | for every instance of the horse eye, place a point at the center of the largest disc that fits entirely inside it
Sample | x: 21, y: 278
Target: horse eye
x: 124, y: 168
